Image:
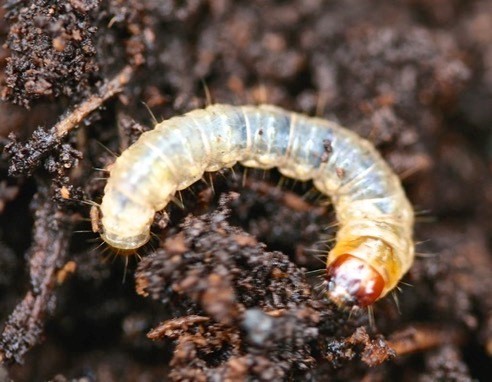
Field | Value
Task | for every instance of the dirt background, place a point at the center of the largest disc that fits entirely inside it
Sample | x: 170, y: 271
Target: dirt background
x: 209, y: 301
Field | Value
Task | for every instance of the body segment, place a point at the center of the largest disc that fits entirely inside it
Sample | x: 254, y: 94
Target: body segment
x: 374, y: 246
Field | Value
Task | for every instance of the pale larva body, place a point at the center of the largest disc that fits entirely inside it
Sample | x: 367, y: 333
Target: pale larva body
x: 374, y: 245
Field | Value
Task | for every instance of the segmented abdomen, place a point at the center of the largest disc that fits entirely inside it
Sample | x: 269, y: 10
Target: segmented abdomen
x: 367, y: 195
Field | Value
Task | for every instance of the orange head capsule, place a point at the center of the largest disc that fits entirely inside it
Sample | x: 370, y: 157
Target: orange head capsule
x: 352, y: 281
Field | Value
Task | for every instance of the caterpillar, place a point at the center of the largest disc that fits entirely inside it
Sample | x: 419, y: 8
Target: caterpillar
x: 374, y: 246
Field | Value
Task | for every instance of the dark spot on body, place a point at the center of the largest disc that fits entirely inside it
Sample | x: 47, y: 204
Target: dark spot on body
x: 328, y: 149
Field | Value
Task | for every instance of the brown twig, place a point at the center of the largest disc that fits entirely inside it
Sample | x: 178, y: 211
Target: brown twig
x: 111, y: 88
x: 52, y: 230
x: 169, y: 327
x: 26, y: 157
x: 419, y: 338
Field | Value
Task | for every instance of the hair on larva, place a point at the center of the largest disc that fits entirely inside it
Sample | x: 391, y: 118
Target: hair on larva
x: 374, y: 246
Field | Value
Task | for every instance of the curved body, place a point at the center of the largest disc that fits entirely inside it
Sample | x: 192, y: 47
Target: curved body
x: 375, y: 217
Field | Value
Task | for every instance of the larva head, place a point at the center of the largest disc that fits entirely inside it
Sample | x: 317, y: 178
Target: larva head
x: 360, y: 270
x: 352, y: 281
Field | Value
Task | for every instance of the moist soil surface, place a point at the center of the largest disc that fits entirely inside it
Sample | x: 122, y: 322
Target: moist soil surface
x: 231, y: 285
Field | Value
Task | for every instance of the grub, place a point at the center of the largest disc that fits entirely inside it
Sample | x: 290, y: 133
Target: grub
x: 413, y: 77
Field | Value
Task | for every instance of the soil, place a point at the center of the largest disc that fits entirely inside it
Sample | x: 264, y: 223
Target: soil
x: 228, y: 287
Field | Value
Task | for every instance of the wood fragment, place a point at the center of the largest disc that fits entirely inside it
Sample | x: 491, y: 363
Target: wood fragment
x: 52, y: 231
x: 419, y: 338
